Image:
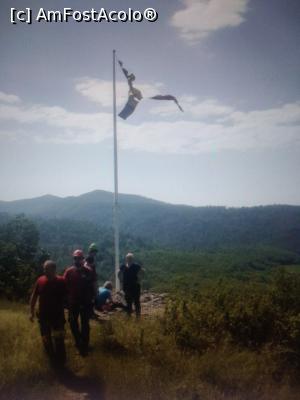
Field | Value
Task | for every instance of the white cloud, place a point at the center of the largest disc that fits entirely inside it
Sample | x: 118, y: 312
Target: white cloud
x: 212, y: 126
x: 55, y: 124
x: 193, y: 108
x: 9, y: 98
x: 200, y: 18
x: 255, y: 130
x: 100, y: 91
x: 206, y: 126
x: 288, y: 114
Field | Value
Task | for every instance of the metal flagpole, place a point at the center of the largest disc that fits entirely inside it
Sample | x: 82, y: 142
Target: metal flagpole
x: 116, y: 195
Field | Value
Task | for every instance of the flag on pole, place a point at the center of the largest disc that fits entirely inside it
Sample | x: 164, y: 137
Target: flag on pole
x: 129, y: 107
x: 167, y: 97
x: 130, y: 78
x: 135, y: 95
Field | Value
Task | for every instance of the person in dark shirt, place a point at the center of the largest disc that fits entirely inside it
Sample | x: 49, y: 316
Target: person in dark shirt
x: 81, y: 291
x: 91, y: 259
x: 50, y: 290
x: 129, y: 275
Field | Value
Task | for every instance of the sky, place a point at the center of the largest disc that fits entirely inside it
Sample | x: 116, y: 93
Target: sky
x: 233, y: 65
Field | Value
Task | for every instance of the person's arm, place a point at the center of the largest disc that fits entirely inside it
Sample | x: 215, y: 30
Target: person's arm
x: 66, y: 277
x: 141, y: 274
x: 64, y: 293
x: 33, y: 300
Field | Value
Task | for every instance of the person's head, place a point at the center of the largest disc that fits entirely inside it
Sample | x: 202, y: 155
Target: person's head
x: 49, y: 267
x: 78, y: 258
x: 129, y: 258
x: 108, y: 285
x: 93, y: 249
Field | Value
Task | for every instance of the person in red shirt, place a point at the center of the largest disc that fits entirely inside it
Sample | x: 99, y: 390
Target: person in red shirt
x: 50, y: 290
x: 81, y: 290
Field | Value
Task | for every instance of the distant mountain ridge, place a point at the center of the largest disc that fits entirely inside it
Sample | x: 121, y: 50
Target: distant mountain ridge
x: 47, y: 200
x: 170, y: 225
x: 80, y: 207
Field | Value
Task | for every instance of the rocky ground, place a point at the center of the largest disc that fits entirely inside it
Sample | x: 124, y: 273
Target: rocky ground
x: 152, y: 304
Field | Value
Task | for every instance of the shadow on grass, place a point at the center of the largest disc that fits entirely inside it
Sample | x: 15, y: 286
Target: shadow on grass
x: 89, y: 388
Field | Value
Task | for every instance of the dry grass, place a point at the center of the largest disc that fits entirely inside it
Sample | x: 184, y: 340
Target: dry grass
x: 20, y: 352
x: 130, y: 360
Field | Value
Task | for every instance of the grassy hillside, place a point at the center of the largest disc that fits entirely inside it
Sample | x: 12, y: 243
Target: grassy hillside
x: 230, y: 330
x: 174, y: 226
x: 213, y: 347
x: 174, y: 271
x: 25, y: 245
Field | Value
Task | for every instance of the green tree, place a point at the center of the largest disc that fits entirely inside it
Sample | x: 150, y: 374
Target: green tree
x: 18, y: 247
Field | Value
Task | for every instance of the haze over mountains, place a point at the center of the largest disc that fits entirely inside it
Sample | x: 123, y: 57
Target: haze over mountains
x: 168, y: 225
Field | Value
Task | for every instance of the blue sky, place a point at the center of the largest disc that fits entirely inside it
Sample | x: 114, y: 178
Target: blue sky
x: 233, y: 65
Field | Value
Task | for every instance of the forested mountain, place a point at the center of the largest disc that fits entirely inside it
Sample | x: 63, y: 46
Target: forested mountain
x: 166, y: 225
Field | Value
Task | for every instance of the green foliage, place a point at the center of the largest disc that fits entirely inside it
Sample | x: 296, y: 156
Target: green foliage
x: 188, y: 272
x: 59, y: 238
x: 18, y: 247
x: 25, y: 236
x: 144, y: 361
x: 231, y: 328
x: 173, y: 226
x: 246, y: 316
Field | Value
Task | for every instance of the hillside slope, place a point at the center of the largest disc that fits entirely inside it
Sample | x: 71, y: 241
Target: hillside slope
x: 170, y: 225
